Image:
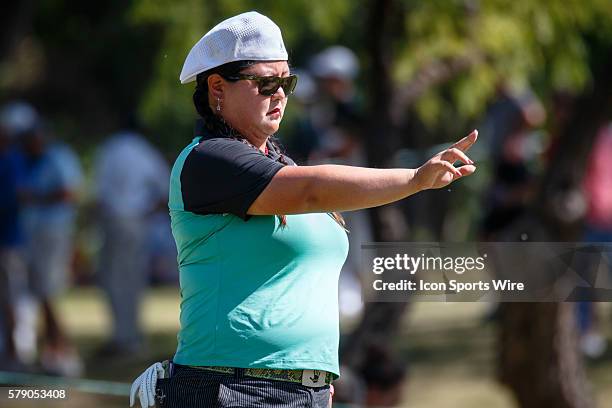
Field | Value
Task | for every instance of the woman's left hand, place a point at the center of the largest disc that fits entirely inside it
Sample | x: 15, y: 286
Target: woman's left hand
x: 439, y: 171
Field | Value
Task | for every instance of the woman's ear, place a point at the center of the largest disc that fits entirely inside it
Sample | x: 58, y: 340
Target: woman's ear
x: 216, y: 86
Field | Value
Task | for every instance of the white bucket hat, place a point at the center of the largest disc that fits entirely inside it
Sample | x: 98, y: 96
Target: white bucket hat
x: 247, y: 36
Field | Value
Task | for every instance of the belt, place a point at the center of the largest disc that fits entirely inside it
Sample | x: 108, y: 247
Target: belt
x: 310, y: 378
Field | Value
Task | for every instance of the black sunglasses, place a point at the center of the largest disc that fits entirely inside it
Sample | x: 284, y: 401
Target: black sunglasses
x: 268, y: 85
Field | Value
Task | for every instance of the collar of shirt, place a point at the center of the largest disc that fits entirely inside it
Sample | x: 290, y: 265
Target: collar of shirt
x: 201, y: 130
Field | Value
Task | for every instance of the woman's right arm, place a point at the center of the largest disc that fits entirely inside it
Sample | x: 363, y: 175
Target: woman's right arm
x: 325, y: 188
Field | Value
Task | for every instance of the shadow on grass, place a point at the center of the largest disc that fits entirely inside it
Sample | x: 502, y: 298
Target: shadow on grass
x: 470, y: 347
x: 160, y: 346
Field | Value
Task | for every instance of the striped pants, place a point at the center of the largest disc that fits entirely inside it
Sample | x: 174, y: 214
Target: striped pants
x: 191, y: 387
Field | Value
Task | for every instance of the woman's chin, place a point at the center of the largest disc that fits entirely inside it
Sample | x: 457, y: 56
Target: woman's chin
x: 272, y: 126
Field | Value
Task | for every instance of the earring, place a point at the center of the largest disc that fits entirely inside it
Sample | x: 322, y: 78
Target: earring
x: 218, y: 105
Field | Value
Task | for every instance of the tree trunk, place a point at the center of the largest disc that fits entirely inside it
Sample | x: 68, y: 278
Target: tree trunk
x: 538, y: 342
x: 539, y: 358
x: 380, y: 320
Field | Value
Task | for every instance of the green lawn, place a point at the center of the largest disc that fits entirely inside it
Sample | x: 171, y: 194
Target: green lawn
x: 450, y: 350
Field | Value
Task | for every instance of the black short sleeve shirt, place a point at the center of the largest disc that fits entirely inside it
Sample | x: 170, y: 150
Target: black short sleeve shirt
x: 223, y: 175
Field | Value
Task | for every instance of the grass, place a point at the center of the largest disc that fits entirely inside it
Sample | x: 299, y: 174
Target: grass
x: 448, y: 346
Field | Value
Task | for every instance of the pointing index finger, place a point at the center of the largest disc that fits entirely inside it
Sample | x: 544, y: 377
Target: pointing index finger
x: 467, y: 142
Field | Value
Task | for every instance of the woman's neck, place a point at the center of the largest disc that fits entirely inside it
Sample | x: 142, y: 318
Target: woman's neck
x: 259, y: 141
x: 253, y: 136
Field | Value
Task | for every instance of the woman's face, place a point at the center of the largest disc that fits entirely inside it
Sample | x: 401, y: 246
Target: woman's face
x: 255, y: 116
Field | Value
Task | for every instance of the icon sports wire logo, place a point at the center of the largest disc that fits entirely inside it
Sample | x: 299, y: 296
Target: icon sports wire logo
x: 500, y: 271
x: 412, y: 264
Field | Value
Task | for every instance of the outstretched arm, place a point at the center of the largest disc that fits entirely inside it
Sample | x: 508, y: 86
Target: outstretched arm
x: 325, y: 188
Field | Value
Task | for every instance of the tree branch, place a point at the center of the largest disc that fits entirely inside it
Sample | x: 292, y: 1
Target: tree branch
x: 436, y: 73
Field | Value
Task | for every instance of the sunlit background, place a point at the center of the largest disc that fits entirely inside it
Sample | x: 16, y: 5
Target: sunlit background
x: 92, y: 88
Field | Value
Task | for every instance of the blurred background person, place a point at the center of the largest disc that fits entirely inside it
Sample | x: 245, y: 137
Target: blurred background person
x: 161, y: 250
x: 384, y: 374
x: 338, y: 122
x: 334, y: 110
x: 514, y: 147
x: 15, y: 118
x: 53, y: 178
x: 301, y: 138
x: 597, y: 189
x: 131, y: 181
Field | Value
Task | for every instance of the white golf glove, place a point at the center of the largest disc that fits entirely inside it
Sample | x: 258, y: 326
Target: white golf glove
x: 145, y: 385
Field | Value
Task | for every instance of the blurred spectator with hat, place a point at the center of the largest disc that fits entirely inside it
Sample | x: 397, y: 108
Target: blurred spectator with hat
x: 338, y: 123
x: 52, y: 181
x: 15, y: 119
x: 39, y: 193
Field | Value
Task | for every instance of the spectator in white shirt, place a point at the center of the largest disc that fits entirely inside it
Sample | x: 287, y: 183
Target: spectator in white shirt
x: 131, y: 179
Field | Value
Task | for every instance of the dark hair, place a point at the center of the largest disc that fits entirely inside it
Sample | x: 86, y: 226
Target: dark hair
x: 200, y: 96
x: 216, y: 125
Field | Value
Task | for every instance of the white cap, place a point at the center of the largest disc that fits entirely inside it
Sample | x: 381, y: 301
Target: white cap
x: 336, y: 61
x: 18, y: 117
x: 247, y: 36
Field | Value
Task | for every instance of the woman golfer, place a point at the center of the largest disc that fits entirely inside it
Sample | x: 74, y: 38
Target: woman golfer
x: 260, y: 244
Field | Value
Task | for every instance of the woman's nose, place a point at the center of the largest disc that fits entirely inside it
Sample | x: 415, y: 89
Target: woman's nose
x: 279, y: 94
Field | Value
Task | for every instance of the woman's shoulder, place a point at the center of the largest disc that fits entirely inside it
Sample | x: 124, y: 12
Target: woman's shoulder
x: 219, y: 141
x: 224, y: 148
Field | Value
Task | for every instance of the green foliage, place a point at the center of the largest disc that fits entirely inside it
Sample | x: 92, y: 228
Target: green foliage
x: 166, y: 104
x: 520, y: 41
x: 94, y: 63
